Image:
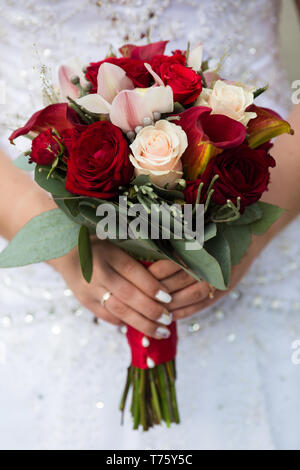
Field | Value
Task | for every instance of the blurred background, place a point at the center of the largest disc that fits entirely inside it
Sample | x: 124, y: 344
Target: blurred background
x: 290, y: 39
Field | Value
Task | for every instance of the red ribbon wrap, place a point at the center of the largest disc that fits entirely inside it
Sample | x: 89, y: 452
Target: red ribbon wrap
x: 159, y: 350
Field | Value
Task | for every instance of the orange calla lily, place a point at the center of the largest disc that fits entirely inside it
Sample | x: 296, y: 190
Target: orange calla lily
x: 265, y: 126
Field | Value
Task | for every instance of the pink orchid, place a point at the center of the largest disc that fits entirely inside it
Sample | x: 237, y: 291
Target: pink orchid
x: 127, y: 106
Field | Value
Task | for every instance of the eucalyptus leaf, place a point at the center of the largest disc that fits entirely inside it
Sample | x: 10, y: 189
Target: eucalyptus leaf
x: 270, y: 214
x: 47, y: 236
x: 218, y: 247
x: 22, y: 162
x: 252, y: 214
x: 141, y: 248
x: 210, y: 231
x: 239, y: 239
x: 85, y: 253
x: 200, y: 262
x: 54, y: 184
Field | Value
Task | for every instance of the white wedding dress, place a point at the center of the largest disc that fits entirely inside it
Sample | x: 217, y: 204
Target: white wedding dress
x: 61, y: 374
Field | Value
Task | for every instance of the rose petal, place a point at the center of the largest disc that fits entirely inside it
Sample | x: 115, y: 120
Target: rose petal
x: 111, y: 80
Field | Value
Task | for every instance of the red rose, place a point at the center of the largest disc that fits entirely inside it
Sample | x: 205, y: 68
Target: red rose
x: 160, y: 59
x: 185, y: 83
x: 99, y: 161
x: 242, y: 172
x: 45, y: 148
x: 134, y: 69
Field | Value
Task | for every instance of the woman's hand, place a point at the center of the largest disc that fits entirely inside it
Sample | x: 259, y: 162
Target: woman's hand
x: 138, y: 298
x: 190, y: 296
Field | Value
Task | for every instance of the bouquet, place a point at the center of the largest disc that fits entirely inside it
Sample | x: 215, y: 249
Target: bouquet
x: 165, y: 158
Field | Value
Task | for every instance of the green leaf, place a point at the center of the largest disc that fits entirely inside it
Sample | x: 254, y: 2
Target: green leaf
x: 239, y: 239
x: 200, y: 262
x: 22, y: 162
x: 259, y: 91
x: 54, y: 184
x: 252, y: 214
x: 141, y: 248
x: 85, y: 253
x: 270, y: 214
x: 210, y: 231
x: 47, y: 236
x: 218, y: 247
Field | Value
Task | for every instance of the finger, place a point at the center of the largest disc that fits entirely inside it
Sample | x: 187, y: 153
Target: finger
x: 131, y: 296
x: 131, y: 317
x: 139, y: 276
x: 190, y: 295
x: 178, y: 281
x: 104, y: 314
x: 163, y: 268
x: 184, y: 312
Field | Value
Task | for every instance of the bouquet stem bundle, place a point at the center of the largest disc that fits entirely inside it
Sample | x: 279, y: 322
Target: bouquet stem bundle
x: 153, y: 397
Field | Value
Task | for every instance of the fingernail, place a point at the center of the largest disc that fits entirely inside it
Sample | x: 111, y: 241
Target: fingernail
x: 165, y: 318
x: 163, y: 296
x: 162, y: 333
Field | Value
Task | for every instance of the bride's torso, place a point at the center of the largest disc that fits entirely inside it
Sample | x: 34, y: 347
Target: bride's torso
x: 38, y: 312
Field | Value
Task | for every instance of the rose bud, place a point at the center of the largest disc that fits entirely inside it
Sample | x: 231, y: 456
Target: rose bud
x: 45, y: 148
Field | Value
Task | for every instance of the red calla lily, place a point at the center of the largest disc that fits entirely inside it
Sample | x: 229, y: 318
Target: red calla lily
x: 58, y: 116
x: 208, y: 134
x: 145, y: 53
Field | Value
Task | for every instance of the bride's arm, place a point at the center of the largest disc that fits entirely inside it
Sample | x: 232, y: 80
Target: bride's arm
x: 135, y: 290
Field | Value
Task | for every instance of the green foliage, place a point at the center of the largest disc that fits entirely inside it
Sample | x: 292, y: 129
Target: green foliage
x: 239, y: 239
x: 47, y: 236
x: 85, y: 253
x: 270, y: 214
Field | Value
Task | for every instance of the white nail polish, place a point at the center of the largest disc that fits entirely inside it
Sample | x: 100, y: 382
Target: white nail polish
x: 165, y: 319
x: 162, y: 333
x: 163, y: 296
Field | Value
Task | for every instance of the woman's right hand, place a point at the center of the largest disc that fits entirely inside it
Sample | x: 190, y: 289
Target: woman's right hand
x: 138, y: 298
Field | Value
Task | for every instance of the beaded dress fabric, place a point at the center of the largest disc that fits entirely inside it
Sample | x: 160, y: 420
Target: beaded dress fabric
x: 61, y: 373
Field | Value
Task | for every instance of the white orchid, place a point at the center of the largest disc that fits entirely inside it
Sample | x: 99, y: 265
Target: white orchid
x: 126, y: 105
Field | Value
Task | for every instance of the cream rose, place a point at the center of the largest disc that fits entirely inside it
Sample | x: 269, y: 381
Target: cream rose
x: 156, y: 152
x: 229, y: 100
